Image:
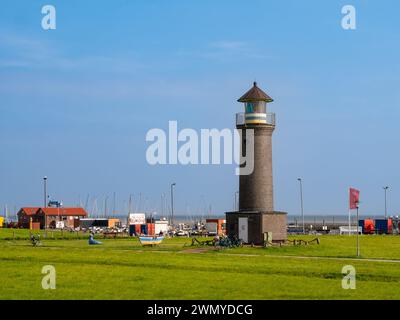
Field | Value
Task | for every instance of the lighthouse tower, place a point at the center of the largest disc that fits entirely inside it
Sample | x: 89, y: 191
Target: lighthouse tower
x: 256, y: 217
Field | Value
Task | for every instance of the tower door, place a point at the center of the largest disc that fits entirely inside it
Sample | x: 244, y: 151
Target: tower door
x: 244, y: 229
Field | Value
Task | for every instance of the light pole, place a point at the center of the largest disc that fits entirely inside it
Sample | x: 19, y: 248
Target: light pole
x: 385, y: 188
x: 301, y: 202
x: 45, y: 191
x: 172, y: 203
x: 45, y: 200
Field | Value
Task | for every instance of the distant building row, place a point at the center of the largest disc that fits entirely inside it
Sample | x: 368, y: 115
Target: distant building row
x: 50, y: 217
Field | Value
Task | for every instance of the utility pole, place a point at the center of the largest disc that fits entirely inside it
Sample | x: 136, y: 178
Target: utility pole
x: 301, y: 202
x: 45, y: 200
x: 172, y: 203
x: 385, y: 188
x: 45, y: 191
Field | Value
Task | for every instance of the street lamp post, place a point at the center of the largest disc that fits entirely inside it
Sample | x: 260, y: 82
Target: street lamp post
x: 45, y: 200
x: 301, y: 202
x: 385, y: 188
x: 45, y: 191
x: 172, y: 203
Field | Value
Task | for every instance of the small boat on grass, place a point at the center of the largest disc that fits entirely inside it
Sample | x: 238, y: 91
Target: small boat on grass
x: 150, y: 240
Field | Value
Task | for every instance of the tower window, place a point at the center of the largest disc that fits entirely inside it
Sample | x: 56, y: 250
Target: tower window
x: 249, y: 107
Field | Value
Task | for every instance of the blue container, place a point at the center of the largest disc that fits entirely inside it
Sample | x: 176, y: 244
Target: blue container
x: 382, y: 226
x: 143, y: 229
x: 131, y: 230
x: 298, y: 230
x: 361, y: 224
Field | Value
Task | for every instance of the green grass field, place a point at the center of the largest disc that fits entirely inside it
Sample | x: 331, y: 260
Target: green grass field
x: 123, y: 269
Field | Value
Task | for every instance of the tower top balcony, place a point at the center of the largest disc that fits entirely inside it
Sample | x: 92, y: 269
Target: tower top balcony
x: 243, y: 119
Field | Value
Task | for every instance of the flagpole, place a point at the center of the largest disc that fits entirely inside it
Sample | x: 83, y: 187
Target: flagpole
x: 358, y: 240
x: 355, y: 204
x: 349, y: 221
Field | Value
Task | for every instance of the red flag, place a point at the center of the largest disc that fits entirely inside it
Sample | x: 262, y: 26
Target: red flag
x: 354, y: 198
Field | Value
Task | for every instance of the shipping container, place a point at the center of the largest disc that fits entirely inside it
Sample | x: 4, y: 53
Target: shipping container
x: 150, y: 228
x: 132, y: 230
x: 383, y: 226
x: 215, y: 226
x: 143, y: 229
x: 135, y: 230
x: 91, y: 222
x: 367, y: 225
x: 113, y: 222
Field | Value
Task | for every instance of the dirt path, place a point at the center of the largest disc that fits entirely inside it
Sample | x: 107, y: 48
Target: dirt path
x: 314, y: 258
x: 199, y: 250
x: 204, y: 250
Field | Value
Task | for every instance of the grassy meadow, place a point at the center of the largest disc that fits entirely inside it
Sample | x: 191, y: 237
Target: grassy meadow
x: 123, y: 269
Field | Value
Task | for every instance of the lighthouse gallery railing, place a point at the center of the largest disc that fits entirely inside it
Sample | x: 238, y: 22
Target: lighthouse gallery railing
x: 241, y: 118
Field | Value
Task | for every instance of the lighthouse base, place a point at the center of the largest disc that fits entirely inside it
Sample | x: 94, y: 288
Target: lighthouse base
x: 250, y: 226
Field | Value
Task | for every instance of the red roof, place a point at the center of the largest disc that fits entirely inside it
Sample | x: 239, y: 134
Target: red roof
x: 29, y: 211
x: 63, y: 211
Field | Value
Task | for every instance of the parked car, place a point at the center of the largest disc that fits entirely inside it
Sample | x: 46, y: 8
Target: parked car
x: 182, y: 233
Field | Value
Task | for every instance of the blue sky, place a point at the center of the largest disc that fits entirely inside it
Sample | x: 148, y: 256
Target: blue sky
x: 76, y: 102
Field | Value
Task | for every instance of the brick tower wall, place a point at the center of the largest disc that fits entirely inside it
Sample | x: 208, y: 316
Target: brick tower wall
x: 256, y: 189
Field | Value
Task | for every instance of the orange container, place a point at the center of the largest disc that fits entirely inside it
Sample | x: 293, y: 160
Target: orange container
x: 150, y: 228
x: 369, y: 226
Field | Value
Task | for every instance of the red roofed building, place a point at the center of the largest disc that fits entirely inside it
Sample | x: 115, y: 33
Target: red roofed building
x: 69, y: 216
x: 50, y: 216
x: 27, y: 215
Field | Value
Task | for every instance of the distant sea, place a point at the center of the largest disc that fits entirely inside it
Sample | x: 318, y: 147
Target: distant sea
x: 316, y: 219
x: 291, y: 219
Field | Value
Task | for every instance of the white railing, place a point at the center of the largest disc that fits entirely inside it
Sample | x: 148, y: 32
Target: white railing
x: 241, y: 118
